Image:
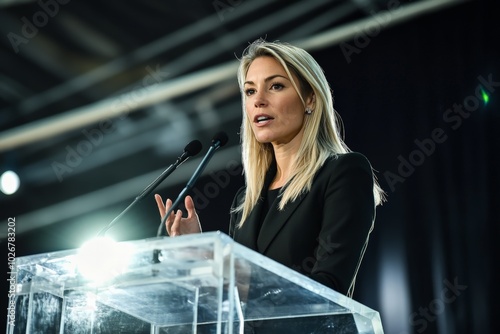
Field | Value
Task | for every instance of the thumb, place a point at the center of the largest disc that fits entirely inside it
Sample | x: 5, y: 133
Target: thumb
x: 189, y: 204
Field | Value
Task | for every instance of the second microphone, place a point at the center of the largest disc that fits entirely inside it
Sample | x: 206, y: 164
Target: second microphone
x: 219, y: 140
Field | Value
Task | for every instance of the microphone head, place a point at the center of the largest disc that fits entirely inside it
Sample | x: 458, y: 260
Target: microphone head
x: 193, y: 148
x: 220, y: 139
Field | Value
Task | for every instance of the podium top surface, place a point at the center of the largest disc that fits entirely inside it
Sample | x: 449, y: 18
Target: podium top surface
x: 143, y: 277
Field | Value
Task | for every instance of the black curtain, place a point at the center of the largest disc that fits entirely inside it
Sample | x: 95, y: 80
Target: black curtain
x: 421, y: 100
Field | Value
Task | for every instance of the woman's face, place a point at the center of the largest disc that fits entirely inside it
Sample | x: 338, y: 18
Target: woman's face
x: 273, y: 106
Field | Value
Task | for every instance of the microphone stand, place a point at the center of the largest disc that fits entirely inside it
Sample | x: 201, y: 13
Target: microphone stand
x: 188, y: 187
x: 219, y: 140
x: 147, y: 190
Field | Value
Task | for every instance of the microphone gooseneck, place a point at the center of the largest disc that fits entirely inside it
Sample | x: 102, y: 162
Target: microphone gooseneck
x: 191, y: 149
x: 219, y: 140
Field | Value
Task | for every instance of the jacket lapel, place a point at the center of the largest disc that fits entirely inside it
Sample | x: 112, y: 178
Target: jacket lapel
x: 259, y: 236
x: 250, y: 230
x: 274, y: 222
x: 248, y: 234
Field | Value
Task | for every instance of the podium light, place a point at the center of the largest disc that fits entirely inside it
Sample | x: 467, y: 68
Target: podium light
x: 101, y: 259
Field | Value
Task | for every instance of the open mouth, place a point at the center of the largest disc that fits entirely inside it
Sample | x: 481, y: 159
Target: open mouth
x: 262, y: 118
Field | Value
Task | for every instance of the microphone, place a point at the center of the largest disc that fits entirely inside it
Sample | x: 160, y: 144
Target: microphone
x: 219, y: 140
x: 191, y: 149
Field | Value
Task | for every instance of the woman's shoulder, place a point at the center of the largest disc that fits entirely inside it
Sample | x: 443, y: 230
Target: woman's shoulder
x: 350, y: 165
x: 348, y: 171
x: 348, y: 160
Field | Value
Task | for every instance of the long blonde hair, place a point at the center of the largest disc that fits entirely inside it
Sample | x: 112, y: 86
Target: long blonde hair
x: 321, y: 138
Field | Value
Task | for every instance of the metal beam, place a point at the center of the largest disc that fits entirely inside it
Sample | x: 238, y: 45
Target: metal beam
x: 114, y: 107
x: 380, y: 20
x: 118, y: 65
x: 111, y: 107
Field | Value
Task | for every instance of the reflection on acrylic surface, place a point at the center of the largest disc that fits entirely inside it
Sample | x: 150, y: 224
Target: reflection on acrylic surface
x: 202, y: 283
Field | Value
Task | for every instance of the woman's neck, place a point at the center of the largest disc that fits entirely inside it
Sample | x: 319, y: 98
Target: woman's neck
x: 285, y: 158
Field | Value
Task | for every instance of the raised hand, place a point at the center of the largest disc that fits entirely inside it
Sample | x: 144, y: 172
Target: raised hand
x: 176, y: 224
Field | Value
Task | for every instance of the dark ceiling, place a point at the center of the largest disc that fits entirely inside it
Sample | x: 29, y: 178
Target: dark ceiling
x: 98, y: 97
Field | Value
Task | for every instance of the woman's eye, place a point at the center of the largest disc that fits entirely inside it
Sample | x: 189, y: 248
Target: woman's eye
x: 277, y: 86
x: 249, y: 92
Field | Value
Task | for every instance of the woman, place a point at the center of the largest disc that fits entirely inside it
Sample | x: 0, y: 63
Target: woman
x: 308, y: 202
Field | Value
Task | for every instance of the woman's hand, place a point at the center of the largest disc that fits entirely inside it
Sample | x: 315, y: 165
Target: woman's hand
x: 175, y: 224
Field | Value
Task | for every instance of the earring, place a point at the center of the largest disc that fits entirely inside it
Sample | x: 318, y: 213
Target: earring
x: 308, y: 111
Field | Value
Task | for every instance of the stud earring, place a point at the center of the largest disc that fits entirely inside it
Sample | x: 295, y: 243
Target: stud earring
x: 308, y: 111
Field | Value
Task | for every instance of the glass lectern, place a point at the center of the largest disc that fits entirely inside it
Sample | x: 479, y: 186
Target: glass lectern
x: 204, y: 283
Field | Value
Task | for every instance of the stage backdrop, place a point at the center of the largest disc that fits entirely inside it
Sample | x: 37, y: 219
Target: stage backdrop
x: 421, y: 101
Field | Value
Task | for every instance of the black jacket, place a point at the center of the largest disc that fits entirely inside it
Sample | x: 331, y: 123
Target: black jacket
x: 323, y: 232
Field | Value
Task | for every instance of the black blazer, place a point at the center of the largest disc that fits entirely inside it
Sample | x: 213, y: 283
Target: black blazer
x: 323, y: 232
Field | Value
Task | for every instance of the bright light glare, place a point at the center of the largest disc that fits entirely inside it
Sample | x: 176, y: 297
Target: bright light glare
x: 102, y: 259
x: 9, y: 182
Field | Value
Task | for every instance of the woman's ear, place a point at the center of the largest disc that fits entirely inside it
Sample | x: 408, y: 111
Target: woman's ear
x: 311, y: 101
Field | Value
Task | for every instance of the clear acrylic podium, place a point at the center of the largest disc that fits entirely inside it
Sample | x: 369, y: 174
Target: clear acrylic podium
x: 204, y: 283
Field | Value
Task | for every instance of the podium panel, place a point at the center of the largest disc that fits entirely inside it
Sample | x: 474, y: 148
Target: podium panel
x: 203, y: 283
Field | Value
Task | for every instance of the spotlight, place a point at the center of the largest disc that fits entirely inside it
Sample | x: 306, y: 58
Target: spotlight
x: 9, y: 182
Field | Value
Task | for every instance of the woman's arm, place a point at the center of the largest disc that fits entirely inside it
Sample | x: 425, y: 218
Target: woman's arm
x: 348, y: 216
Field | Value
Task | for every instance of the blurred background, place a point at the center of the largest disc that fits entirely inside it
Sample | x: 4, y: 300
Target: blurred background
x: 98, y: 98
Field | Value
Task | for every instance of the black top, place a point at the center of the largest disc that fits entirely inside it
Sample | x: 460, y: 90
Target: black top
x: 322, y: 233
x: 270, y: 200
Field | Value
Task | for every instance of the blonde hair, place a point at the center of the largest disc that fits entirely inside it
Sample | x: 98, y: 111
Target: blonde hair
x: 321, y: 138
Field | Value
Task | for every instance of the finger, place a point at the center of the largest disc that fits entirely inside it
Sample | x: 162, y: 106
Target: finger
x: 161, y: 206
x: 167, y: 206
x: 175, y: 229
x: 170, y: 221
x: 189, y: 204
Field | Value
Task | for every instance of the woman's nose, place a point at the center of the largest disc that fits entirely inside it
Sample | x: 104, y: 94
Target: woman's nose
x: 260, y: 100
